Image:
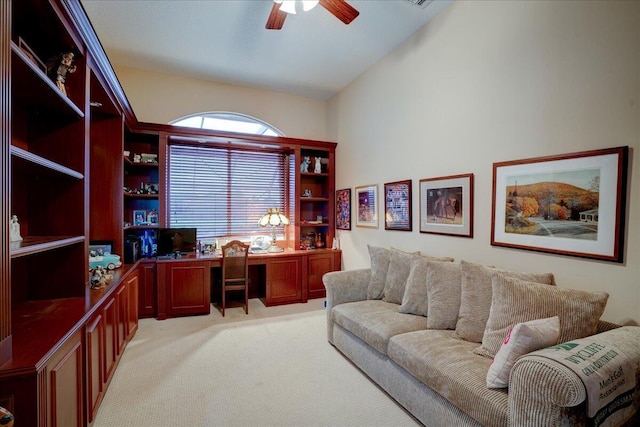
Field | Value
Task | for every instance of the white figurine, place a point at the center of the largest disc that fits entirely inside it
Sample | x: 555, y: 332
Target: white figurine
x: 14, y: 229
x: 304, y: 166
x: 318, y: 168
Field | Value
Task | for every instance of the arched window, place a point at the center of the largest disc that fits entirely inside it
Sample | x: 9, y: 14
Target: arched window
x: 227, y: 122
x: 224, y: 190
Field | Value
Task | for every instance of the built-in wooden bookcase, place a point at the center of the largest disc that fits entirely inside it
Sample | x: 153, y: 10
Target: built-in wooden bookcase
x: 315, y: 213
x: 48, y: 152
x: 141, y: 180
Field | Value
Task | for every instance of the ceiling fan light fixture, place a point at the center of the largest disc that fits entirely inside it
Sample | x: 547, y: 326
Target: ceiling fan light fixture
x: 307, y: 5
x: 288, y: 6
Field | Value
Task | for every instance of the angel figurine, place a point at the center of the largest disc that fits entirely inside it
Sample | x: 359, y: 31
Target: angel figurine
x: 14, y: 229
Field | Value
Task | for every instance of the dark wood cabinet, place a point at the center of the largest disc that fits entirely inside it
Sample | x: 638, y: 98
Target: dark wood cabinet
x: 284, y: 278
x: 318, y: 264
x: 95, y: 360
x: 147, y: 289
x: 184, y: 288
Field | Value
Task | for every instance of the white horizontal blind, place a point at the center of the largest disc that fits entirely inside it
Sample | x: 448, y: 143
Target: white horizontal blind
x: 224, y: 192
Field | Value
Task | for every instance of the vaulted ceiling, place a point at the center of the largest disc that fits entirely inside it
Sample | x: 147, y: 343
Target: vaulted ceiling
x: 314, y: 55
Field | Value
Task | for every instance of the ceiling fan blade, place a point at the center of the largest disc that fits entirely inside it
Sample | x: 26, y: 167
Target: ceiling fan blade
x: 276, y: 18
x: 340, y: 9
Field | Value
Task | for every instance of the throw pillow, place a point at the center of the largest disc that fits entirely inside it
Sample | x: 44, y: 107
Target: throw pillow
x: 475, y: 300
x: 516, y: 301
x: 379, y: 267
x: 397, y: 274
x: 522, y: 339
x: 443, y: 294
x: 414, y: 300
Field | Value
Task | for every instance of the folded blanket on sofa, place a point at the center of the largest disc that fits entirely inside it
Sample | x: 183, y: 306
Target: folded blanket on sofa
x: 608, y: 376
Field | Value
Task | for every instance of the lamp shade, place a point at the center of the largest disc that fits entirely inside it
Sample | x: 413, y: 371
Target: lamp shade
x: 274, y: 218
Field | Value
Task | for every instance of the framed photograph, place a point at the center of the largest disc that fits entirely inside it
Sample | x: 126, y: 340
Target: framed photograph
x: 140, y: 217
x: 397, y: 205
x: 100, y: 248
x: 446, y: 205
x: 343, y: 209
x: 367, y: 198
x: 152, y: 217
x: 151, y: 188
x: 572, y: 204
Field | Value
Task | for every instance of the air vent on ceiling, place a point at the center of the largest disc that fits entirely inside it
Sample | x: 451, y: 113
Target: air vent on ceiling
x: 419, y: 3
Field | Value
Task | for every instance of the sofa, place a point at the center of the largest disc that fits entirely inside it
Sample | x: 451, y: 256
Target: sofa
x: 427, y: 331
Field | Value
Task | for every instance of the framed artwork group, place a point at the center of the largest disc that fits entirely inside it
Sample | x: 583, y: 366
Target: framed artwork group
x: 572, y: 204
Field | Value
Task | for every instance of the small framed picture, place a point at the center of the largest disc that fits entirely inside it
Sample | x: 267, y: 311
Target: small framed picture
x: 152, y: 217
x: 367, y: 199
x: 151, y: 188
x: 139, y: 217
x: 397, y: 205
x: 100, y: 248
x: 446, y: 205
x: 343, y: 209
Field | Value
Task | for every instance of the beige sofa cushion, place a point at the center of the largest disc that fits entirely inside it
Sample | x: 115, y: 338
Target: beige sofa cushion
x: 475, y: 301
x: 447, y: 365
x: 443, y: 294
x: 376, y: 321
x: 515, y: 301
x: 414, y: 300
x: 379, y: 268
x: 397, y: 274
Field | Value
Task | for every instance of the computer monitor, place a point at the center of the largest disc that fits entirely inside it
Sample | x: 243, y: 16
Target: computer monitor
x: 176, y: 240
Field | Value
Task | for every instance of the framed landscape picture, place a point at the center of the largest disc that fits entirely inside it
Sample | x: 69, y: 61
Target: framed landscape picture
x: 446, y: 205
x: 397, y: 205
x: 572, y: 204
x: 367, y: 199
x: 343, y: 209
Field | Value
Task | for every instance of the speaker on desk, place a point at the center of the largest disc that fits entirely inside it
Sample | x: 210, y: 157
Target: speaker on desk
x: 131, y: 249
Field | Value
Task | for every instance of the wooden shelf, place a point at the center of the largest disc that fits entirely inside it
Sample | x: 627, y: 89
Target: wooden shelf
x: 141, y: 227
x: 141, y: 196
x: 313, y: 224
x: 37, y: 244
x: 314, y: 199
x: 48, y: 97
x: 36, y: 164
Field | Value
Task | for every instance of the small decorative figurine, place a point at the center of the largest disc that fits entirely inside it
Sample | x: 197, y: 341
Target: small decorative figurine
x: 318, y: 167
x: 14, y: 229
x: 304, y: 166
x: 307, y: 193
x: 100, y: 277
x: 63, y: 65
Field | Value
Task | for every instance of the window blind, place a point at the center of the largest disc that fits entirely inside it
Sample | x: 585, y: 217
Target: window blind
x: 223, y: 191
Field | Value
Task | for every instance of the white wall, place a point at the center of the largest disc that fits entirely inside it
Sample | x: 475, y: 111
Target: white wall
x: 160, y: 98
x: 494, y: 81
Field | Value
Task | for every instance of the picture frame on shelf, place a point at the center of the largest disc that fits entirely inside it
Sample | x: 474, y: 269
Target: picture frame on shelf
x: 397, y: 205
x: 151, y: 188
x: 101, y: 247
x: 343, y: 209
x: 29, y: 53
x: 140, y: 217
x: 367, y: 199
x: 446, y: 205
x: 571, y: 204
x: 152, y: 217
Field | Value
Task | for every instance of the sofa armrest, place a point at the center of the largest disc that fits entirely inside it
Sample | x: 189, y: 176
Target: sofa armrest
x: 342, y: 287
x: 544, y: 392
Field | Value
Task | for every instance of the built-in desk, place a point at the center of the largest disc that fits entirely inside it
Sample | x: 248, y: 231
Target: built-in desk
x: 292, y: 276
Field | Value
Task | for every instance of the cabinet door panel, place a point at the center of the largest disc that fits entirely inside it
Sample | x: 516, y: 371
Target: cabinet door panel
x: 94, y: 336
x: 132, y: 309
x: 318, y: 266
x: 65, y: 373
x: 188, y: 288
x: 147, y: 290
x: 284, y: 281
x: 110, y: 312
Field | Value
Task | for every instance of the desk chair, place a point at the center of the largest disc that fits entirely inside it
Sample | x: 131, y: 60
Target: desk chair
x: 235, y: 271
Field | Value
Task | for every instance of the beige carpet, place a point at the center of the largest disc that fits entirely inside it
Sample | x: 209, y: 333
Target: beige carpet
x: 273, y: 367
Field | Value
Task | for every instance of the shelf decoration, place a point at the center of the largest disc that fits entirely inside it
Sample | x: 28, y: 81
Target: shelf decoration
x: 571, y: 204
x: 343, y: 209
x: 367, y: 206
x: 59, y: 67
x: 397, y: 205
x: 446, y: 205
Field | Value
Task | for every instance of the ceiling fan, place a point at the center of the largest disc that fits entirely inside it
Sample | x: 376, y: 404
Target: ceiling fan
x: 339, y: 8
